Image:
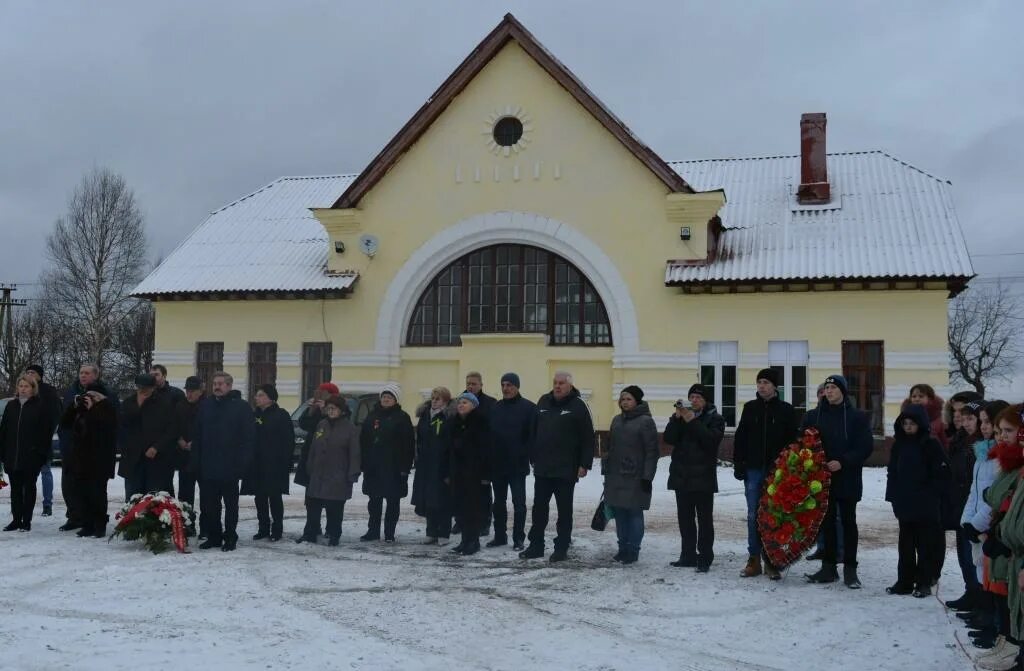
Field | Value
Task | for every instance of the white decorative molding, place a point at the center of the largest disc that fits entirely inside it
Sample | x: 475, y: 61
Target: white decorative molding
x: 174, y: 357
x: 516, y: 112
x: 235, y: 358
x: 288, y: 387
x: 830, y: 360
x: 585, y: 394
x: 745, y: 392
x: 753, y: 360
x: 933, y: 360
x: 657, y: 360
x: 289, y: 358
x: 365, y: 386
x: 512, y: 228
x: 654, y: 392
x: 365, y: 359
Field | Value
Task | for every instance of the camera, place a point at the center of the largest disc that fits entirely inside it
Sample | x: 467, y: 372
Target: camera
x: 681, y: 403
x: 79, y: 400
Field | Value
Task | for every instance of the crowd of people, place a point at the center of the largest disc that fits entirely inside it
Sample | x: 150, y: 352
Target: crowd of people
x: 953, y: 467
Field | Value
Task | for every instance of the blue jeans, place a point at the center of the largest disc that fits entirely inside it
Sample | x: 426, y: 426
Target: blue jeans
x: 752, y: 490
x: 629, y: 527
x: 967, y: 567
x: 47, y: 476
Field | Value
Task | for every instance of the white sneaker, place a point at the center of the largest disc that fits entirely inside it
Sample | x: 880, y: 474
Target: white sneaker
x: 994, y: 650
x: 443, y: 541
x: 1004, y: 661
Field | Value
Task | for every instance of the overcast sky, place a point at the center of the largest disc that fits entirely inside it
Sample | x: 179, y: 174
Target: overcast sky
x: 199, y: 103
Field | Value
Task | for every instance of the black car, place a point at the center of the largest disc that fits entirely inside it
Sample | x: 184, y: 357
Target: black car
x: 360, y: 406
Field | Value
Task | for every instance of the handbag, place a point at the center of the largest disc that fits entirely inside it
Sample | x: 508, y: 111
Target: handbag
x: 601, y: 516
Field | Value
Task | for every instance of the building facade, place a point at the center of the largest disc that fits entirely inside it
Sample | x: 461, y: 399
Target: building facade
x: 515, y: 224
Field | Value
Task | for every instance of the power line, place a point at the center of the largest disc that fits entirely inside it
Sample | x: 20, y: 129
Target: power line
x: 998, y: 254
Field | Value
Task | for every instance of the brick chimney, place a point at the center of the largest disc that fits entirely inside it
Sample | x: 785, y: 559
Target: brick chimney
x: 814, y: 188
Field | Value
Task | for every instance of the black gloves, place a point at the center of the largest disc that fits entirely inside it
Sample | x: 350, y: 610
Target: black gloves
x: 645, y: 485
x: 973, y: 534
x: 993, y: 547
x: 739, y: 472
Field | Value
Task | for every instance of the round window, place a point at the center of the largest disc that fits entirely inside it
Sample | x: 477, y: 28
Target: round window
x: 507, y: 131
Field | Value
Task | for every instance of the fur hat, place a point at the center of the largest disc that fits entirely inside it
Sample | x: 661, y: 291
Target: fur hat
x: 636, y: 392
x: 391, y: 388
x: 270, y: 390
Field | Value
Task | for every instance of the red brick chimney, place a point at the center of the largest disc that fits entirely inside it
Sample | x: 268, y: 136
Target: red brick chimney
x: 814, y: 188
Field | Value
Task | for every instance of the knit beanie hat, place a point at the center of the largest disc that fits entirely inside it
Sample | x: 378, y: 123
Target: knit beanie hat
x: 700, y: 390
x: 839, y: 381
x: 469, y: 396
x: 511, y: 378
x: 391, y: 388
x: 330, y: 388
x: 636, y: 392
x: 37, y: 368
x: 270, y: 390
x: 769, y: 374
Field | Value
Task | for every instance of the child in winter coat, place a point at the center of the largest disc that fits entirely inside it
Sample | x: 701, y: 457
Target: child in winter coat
x: 916, y: 475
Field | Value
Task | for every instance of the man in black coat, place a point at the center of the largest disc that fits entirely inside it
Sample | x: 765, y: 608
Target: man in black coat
x: 846, y: 437
x: 475, y: 386
x: 767, y: 425
x: 50, y: 397
x: 148, y: 446
x: 695, y: 434
x: 513, y: 427
x: 165, y: 388
x: 186, y: 413
x: 563, y: 452
x: 93, y: 424
x: 223, y: 445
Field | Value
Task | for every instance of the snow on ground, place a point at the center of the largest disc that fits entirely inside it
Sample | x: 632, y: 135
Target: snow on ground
x: 71, y: 603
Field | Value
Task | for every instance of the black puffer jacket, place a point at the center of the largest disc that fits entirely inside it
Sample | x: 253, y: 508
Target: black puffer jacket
x: 25, y: 434
x: 917, y: 470
x: 513, y: 428
x: 846, y: 437
x: 765, y: 429
x: 94, y: 432
x: 564, y: 442
x: 694, y: 466
x: 388, y: 445
x: 961, y: 467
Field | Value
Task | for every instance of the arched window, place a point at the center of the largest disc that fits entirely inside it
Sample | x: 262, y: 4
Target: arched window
x: 510, y: 289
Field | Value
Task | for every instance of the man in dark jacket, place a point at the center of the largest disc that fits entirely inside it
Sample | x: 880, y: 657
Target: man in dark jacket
x: 93, y: 424
x: 148, y: 428
x: 186, y: 413
x: 88, y: 374
x: 513, y: 426
x: 563, y: 452
x: 767, y: 425
x: 695, y: 434
x: 163, y: 387
x: 51, y: 399
x: 846, y: 437
x: 475, y: 386
x: 223, y: 445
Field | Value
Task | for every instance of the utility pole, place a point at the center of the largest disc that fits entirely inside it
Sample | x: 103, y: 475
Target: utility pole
x: 7, y: 305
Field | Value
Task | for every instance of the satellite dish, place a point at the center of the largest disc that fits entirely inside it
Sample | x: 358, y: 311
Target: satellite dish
x: 369, y: 244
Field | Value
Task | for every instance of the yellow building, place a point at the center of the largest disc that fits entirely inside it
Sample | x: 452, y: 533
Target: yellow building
x: 515, y: 224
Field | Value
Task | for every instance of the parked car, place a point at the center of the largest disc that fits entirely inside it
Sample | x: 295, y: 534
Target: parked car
x: 55, y: 442
x: 359, y: 404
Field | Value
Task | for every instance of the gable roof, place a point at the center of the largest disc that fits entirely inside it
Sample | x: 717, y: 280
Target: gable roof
x: 508, y: 30
x: 267, y: 241
x: 887, y: 220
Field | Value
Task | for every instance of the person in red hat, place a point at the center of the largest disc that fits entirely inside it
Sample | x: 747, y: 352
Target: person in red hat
x: 308, y: 421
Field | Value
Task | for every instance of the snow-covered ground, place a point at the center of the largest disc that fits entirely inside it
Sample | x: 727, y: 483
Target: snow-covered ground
x: 71, y: 603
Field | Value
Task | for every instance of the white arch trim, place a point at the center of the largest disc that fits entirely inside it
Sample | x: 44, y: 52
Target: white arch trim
x: 495, y: 228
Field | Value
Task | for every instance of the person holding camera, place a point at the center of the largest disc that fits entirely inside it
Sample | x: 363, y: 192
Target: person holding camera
x: 25, y: 434
x: 93, y: 425
x: 149, y: 440
x: 694, y: 431
x: 308, y: 421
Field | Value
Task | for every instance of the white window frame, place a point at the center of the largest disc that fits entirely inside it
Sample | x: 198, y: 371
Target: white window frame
x: 720, y: 353
x: 787, y: 354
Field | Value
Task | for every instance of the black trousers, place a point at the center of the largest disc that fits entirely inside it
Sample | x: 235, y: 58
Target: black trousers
x: 543, y: 490
x: 212, y: 494
x: 439, y: 523
x: 70, y: 490
x: 271, y: 506
x: 847, y: 510
x: 375, y: 506
x: 187, y: 487
x: 516, y: 483
x: 94, y: 503
x: 695, y: 511
x: 486, y: 505
x: 314, y: 508
x: 23, y: 495
x: 469, y: 510
x: 917, y: 565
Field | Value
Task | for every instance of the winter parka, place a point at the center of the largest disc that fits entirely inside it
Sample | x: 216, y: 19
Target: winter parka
x: 64, y: 436
x: 565, y: 440
x: 513, y: 430
x: 632, y: 459
x: 917, y: 471
x: 272, y: 455
x: 388, y: 444
x: 94, y: 432
x: 26, y: 432
x: 765, y: 429
x: 961, y: 465
x: 153, y: 424
x: 977, y: 512
x: 225, y: 437
x: 334, y: 458
x: 846, y: 437
x: 470, y: 453
x: 430, y: 492
x: 694, y: 466
x: 308, y: 421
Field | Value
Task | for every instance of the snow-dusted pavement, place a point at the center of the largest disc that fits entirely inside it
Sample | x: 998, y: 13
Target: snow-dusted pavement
x: 71, y: 603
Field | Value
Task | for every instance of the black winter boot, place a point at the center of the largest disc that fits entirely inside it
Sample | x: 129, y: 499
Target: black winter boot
x: 826, y: 574
x: 261, y: 534
x: 532, y: 552
x: 558, y: 555
x: 230, y: 542
x: 850, y: 578
x: 964, y: 603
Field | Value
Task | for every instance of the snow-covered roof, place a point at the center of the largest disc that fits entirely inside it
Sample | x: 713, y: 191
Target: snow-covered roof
x: 887, y: 219
x: 266, y: 241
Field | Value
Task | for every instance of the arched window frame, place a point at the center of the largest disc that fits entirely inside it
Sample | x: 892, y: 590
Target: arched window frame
x: 510, y: 288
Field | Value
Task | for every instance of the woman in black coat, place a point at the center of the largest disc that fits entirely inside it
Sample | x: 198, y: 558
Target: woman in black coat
x: 470, y: 436
x: 431, y: 490
x: 92, y: 422
x: 25, y: 434
x: 268, y: 478
x: 388, y: 444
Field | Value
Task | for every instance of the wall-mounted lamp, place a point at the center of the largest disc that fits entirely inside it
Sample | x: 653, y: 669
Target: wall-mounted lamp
x: 339, y: 247
x: 684, y: 233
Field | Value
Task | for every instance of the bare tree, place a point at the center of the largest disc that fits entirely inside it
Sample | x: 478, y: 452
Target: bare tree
x: 97, y: 252
x: 983, y: 335
x: 133, y: 344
